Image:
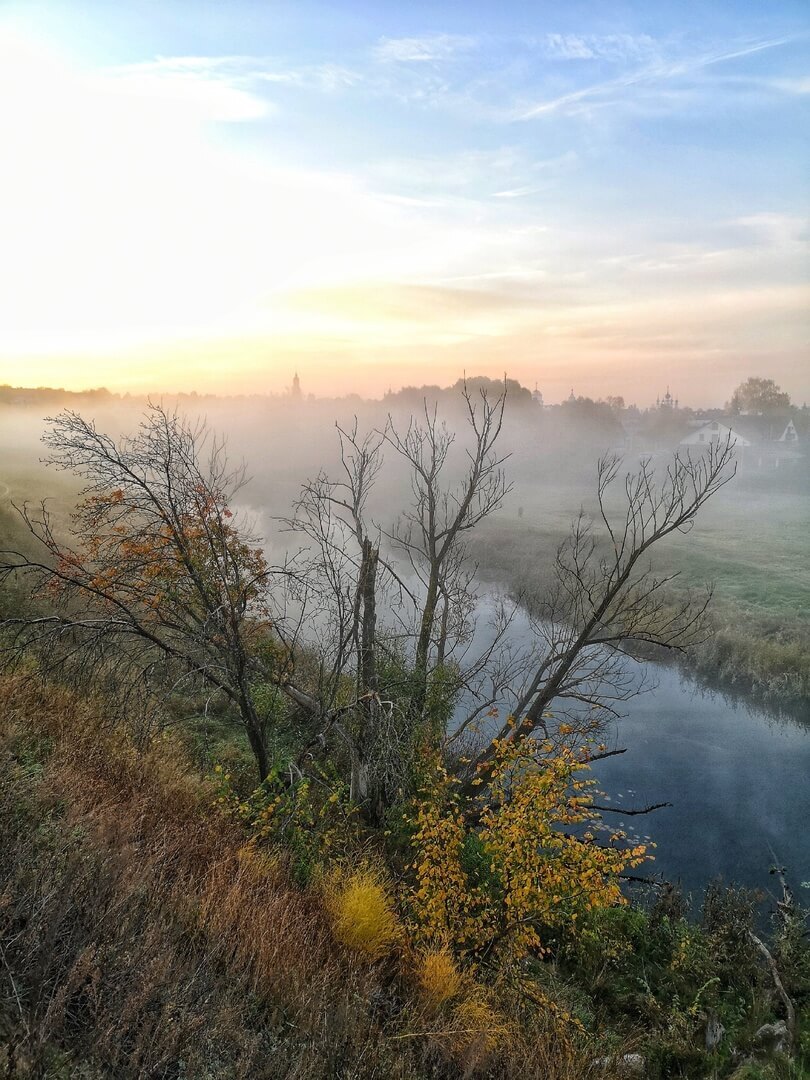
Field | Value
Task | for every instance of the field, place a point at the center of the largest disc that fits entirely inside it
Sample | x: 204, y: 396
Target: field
x: 756, y: 551
x: 751, y: 547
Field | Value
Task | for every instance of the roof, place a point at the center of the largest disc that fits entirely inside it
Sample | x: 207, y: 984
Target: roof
x: 760, y: 428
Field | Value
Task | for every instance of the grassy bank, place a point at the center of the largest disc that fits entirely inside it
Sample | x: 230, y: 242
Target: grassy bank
x: 142, y: 934
x: 756, y: 557
x: 146, y: 933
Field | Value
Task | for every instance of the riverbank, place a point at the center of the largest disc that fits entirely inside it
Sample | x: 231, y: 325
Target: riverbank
x: 145, y: 931
x: 759, y: 617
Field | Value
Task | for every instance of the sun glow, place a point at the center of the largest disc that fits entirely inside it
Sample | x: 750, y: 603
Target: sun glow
x: 168, y: 220
x: 125, y: 220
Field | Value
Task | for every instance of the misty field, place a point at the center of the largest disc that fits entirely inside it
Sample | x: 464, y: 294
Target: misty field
x: 756, y: 551
x: 753, y: 547
x: 751, y: 544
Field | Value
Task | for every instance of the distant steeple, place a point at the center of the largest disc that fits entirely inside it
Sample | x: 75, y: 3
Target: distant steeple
x: 296, y: 387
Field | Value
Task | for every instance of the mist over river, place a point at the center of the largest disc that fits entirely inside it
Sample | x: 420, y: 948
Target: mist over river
x: 738, y: 777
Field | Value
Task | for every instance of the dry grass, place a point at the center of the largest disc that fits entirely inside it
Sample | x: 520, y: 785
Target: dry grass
x: 362, y: 912
x: 142, y: 937
x: 438, y: 978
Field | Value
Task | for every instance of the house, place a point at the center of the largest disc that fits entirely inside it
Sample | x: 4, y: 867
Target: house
x: 790, y: 435
x: 760, y: 441
x: 714, y: 432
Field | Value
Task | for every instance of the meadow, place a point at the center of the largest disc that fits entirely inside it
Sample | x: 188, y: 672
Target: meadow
x: 750, y: 545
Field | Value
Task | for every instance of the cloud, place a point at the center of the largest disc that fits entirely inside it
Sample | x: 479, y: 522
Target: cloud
x: 775, y: 230
x: 407, y: 302
x: 201, y: 86
x: 430, y: 48
x: 327, y: 77
x: 514, y: 193
x: 615, y: 91
x: 613, y: 47
x: 227, y: 88
x: 799, y: 85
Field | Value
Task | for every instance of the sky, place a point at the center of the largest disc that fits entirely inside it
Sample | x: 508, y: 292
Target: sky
x: 609, y: 197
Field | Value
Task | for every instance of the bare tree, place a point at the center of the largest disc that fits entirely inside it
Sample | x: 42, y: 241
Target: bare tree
x: 159, y: 581
x: 428, y: 607
x: 157, y: 576
x: 432, y: 530
x: 345, y: 562
x: 606, y: 596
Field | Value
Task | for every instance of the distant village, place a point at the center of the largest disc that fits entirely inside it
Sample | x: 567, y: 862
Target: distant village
x: 767, y: 430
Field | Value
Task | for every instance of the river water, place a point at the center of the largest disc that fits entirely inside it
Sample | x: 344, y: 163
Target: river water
x: 738, y: 777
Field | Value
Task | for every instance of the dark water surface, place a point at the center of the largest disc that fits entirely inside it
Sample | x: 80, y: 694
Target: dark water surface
x: 737, y: 775
x: 739, y: 779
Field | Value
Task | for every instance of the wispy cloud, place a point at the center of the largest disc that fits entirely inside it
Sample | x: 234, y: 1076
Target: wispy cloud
x: 205, y: 86
x: 430, y: 48
x: 514, y: 193
x: 614, y: 47
x: 440, y: 72
x: 328, y: 77
x: 467, y: 232
x: 614, y: 91
x: 228, y: 88
x: 800, y: 85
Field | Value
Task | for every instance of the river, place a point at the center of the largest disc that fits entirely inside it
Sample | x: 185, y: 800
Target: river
x: 738, y: 777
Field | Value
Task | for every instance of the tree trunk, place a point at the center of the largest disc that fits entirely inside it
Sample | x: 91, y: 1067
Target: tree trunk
x: 423, y: 643
x: 365, y: 791
x: 367, y: 586
x: 256, y: 738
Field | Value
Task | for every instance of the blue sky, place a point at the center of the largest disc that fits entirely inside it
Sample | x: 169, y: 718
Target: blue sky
x: 612, y: 196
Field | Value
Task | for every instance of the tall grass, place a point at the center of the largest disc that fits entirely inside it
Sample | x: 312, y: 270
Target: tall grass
x: 759, y: 646
x: 143, y: 936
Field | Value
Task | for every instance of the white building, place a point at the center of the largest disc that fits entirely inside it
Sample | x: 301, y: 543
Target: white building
x: 761, y: 441
x: 713, y: 432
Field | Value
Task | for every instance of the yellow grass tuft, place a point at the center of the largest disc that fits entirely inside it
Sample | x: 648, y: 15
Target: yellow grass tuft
x: 362, y: 911
x: 438, y: 978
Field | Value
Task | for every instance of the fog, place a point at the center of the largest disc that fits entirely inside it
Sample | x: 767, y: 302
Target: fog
x: 550, y: 451
x: 749, y: 543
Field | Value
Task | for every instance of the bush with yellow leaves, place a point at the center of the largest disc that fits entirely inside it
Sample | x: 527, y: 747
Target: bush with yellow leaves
x: 479, y: 1029
x: 362, y: 911
x: 313, y: 822
x: 493, y: 880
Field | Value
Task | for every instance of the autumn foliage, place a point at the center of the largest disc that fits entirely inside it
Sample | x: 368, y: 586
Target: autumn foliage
x: 145, y: 933
x: 535, y: 857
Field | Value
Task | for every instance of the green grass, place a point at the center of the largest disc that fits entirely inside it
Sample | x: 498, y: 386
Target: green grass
x: 754, y: 547
x: 755, y: 551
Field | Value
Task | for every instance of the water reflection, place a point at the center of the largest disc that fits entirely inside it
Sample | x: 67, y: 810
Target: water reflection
x: 736, y: 774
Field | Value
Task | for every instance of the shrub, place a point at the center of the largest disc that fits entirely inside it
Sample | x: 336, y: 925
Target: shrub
x: 479, y: 1030
x: 498, y: 883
